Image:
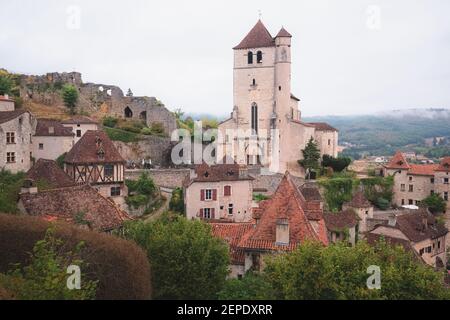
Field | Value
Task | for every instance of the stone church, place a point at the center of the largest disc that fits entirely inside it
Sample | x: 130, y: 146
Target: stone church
x: 266, y: 127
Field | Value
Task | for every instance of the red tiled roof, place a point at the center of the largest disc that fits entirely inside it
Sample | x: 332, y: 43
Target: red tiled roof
x: 232, y: 233
x: 49, y: 172
x: 94, y: 147
x: 283, y: 33
x: 444, y: 165
x: 323, y: 126
x: 218, y: 172
x: 411, y: 224
x: 422, y: 169
x: 359, y: 200
x: 79, y: 120
x: 398, y: 161
x: 341, y: 220
x: 286, y: 203
x: 51, y: 128
x: 258, y: 37
x: 6, y: 116
x: 73, y: 203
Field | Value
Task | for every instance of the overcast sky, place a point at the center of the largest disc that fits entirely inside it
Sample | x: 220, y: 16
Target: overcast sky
x: 349, y: 56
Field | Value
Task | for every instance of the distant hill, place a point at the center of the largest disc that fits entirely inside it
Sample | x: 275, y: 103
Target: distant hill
x: 419, y: 130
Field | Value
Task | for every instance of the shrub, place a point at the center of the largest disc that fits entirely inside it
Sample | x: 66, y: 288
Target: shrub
x: 176, y: 203
x: 337, y: 164
x: 110, y: 122
x: 121, y: 267
x: 435, y: 203
x: 70, y: 97
x: 158, y: 128
x: 120, y: 135
x: 259, y: 197
x: 10, y: 185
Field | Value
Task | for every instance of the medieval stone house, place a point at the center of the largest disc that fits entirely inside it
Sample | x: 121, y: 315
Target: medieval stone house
x: 266, y: 126
x: 80, y: 125
x: 51, y: 139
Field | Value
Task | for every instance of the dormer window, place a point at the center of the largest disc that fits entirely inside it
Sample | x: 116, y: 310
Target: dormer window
x: 206, y: 174
x: 250, y: 57
x: 259, y: 57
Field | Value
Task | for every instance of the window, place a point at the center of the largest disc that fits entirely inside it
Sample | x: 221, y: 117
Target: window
x: 254, y: 82
x: 10, y: 157
x: 329, y: 142
x: 410, y: 201
x: 115, y: 191
x: 208, y: 194
x: 78, y: 133
x: 432, y: 180
x: 254, y: 118
x: 128, y: 112
x: 259, y: 57
x: 279, y: 88
x: 109, y: 170
x: 250, y: 57
x: 10, y: 138
x: 367, y: 212
x: 428, y: 249
x: 411, y: 188
x: 230, y: 209
x: 207, y: 213
x: 20, y: 121
x: 445, y: 180
x: 41, y: 146
x: 403, y: 202
x: 432, y: 192
x: 421, y: 252
x: 227, y: 191
x: 439, y: 244
x: 410, y: 178
x: 446, y: 196
x: 402, y: 187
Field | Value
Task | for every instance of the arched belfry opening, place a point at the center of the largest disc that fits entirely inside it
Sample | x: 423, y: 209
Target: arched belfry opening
x: 250, y: 57
x: 254, y: 119
x: 259, y: 57
x: 128, y: 113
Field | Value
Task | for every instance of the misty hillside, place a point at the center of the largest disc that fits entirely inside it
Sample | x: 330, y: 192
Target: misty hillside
x: 417, y: 130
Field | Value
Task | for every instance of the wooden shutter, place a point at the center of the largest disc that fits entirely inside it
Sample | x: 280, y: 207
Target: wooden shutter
x: 227, y: 191
x: 213, y: 212
x: 202, y: 195
x: 201, y: 213
x: 214, y: 194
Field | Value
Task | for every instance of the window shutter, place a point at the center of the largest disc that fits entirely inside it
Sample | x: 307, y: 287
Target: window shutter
x: 227, y: 191
x: 213, y: 213
x: 202, y: 195
x: 201, y: 213
x: 214, y: 194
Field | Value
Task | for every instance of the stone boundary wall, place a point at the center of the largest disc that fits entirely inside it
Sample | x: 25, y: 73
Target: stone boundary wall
x: 166, y: 178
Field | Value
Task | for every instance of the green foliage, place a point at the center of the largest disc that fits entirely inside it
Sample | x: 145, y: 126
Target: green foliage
x: 143, y: 191
x: 340, y: 272
x: 6, y: 84
x: 110, y: 122
x: 10, y: 185
x: 121, y: 135
x: 60, y: 160
x: 131, y: 126
x: 70, y: 97
x: 383, y: 203
x: 259, y: 197
x: 187, y: 261
x: 337, y: 164
x: 45, y: 278
x: 435, y: 203
x: 311, y: 155
x: 137, y: 201
x: 379, y: 190
x: 176, y: 203
x: 250, y: 287
x: 337, y: 191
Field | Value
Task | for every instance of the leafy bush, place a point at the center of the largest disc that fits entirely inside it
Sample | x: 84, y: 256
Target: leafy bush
x: 70, y: 97
x: 143, y: 189
x: 121, y: 135
x: 187, y: 261
x: 435, y: 203
x: 121, y: 267
x: 147, y: 131
x: 6, y: 84
x: 259, y: 197
x: 131, y: 126
x: 60, y: 160
x: 46, y: 277
x: 10, y: 185
x: 176, y: 203
x: 110, y: 122
x: 250, y: 287
x: 137, y: 201
x: 383, y: 204
x: 337, y: 191
x: 337, y: 164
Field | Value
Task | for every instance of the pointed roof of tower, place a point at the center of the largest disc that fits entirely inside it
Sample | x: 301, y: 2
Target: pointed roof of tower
x: 258, y: 37
x: 398, y: 161
x: 283, y: 33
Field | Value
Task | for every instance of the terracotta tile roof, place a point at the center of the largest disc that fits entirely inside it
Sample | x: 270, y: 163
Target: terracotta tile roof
x: 3, y: 98
x: 444, y: 165
x: 411, y: 224
x: 359, y: 200
x: 258, y: 37
x: 423, y: 169
x: 79, y: 120
x: 373, y: 238
x: 398, y: 161
x: 286, y: 203
x: 283, y: 33
x: 66, y: 204
x: 51, y: 128
x: 48, y: 171
x: 232, y: 233
x: 322, y: 126
x: 310, y: 192
x: 94, y: 147
x: 6, y: 116
x: 341, y: 220
x: 219, y: 172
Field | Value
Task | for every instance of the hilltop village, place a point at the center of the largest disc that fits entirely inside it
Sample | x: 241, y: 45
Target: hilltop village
x: 276, y: 189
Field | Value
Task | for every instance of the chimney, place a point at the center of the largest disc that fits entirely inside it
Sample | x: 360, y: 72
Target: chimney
x: 424, y: 222
x: 28, y: 187
x: 243, y: 171
x: 282, y: 231
x: 392, y: 221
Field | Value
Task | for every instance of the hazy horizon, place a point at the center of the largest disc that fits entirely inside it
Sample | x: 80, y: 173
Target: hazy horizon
x: 357, y: 57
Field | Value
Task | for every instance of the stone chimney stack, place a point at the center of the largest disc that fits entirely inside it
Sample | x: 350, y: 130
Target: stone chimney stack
x: 28, y: 187
x: 392, y: 221
x: 425, y: 222
x: 282, y: 231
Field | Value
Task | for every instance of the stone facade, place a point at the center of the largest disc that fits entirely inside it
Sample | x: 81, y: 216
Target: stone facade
x: 265, y: 110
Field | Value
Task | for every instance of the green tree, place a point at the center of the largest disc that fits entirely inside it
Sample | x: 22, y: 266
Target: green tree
x: 434, y: 203
x: 337, y: 164
x: 251, y: 287
x: 176, y: 203
x: 6, y: 84
x: 311, y: 155
x: 45, y: 278
x: 187, y: 261
x: 70, y: 97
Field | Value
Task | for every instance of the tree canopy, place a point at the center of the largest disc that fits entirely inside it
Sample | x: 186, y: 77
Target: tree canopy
x: 311, y: 155
x: 70, y: 97
x: 435, y: 203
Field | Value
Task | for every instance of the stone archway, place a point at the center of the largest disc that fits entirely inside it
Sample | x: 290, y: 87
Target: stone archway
x: 143, y: 116
x: 128, y: 113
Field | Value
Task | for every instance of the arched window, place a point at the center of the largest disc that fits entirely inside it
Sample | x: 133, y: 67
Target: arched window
x: 254, y: 82
x: 143, y: 115
x: 254, y: 119
x: 259, y: 57
x: 250, y: 57
x: 128, y: 113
